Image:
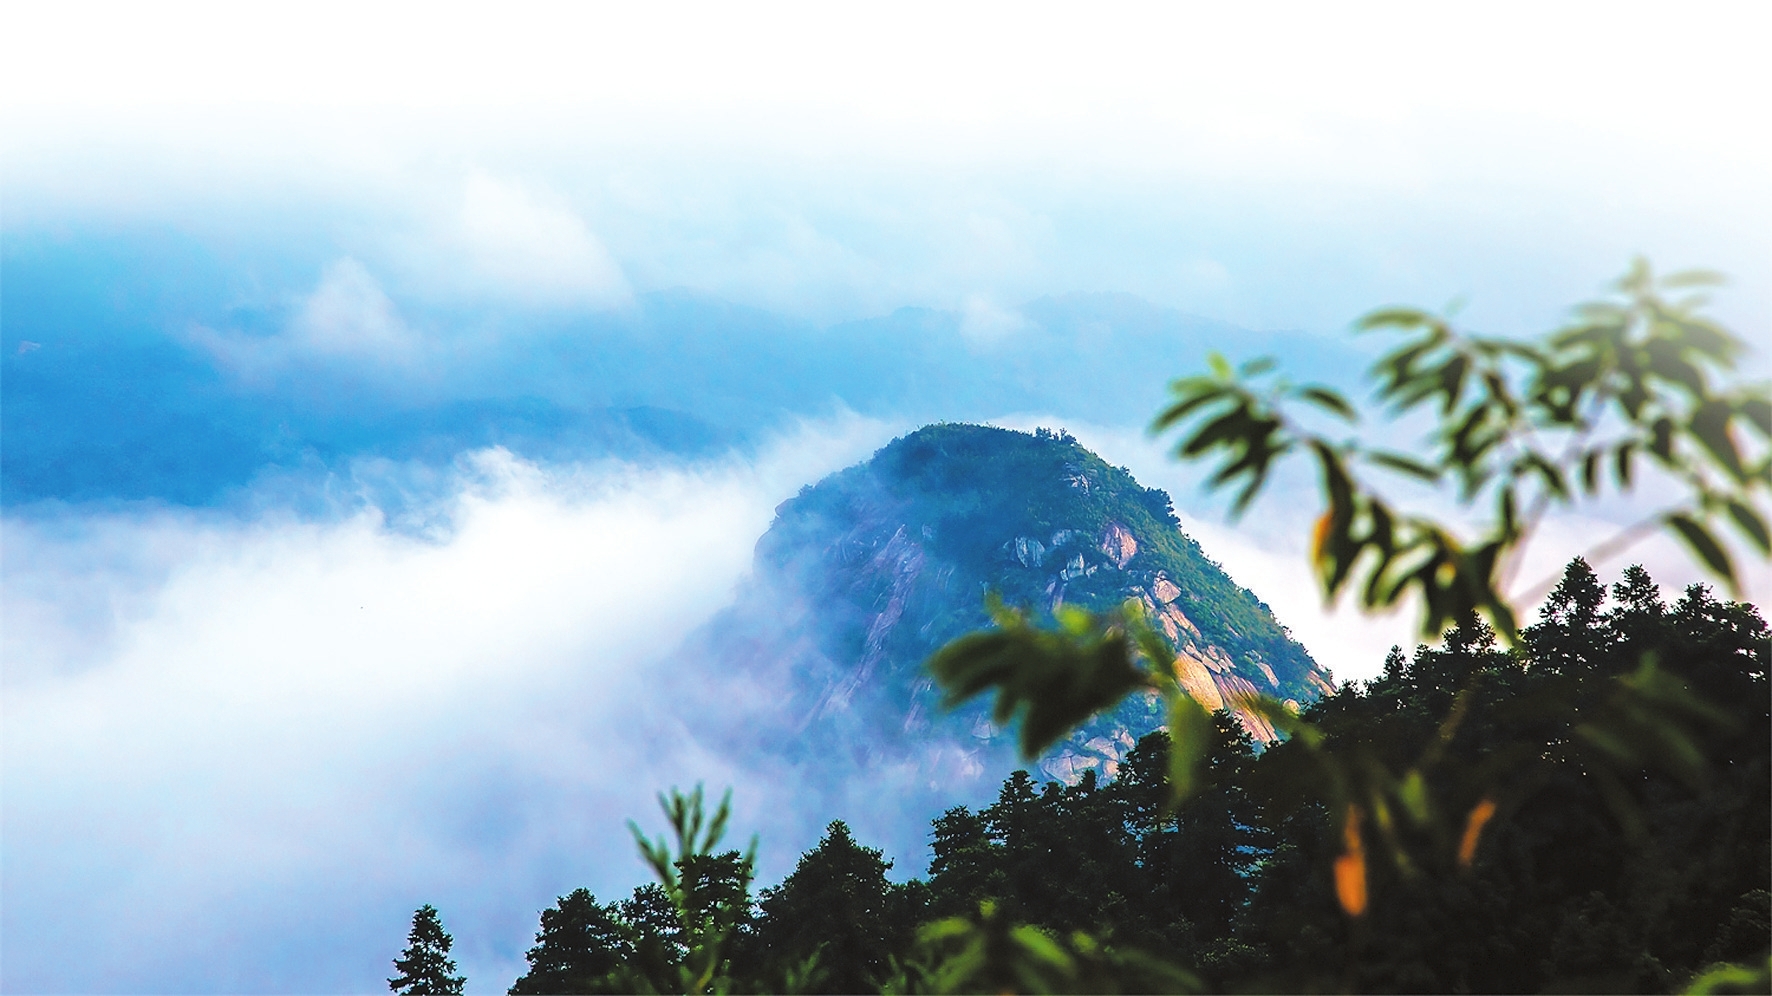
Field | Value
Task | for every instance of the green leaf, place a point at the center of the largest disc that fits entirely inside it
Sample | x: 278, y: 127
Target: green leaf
x: 942, y: 930
x: 1693, y: 278
x: 1662, y: 439
x: 1752, y: 524
x: 1452, y: 377
x: 1624, y: 809
x: 1073, y: 620
x: 1710, y: 424
x: 1234, y: 426
x: 1637, y: 279
x: 1621, y: 463
x: 1050, y: 680
x: 1396, y: 366
x: 1412, y: 793
x: 1547, y: 472
x: 1200, y: 396
x: 1330, y: 401
x: 1190, y: 739
x: 1038, y: 946
x: 1397, y: 317
x: 1758, y: 413
x: 1405, y: 465
x: 1704, y: 545
x: 1664, y: 690
x: 1619, y: 747
x: 1748, y: 977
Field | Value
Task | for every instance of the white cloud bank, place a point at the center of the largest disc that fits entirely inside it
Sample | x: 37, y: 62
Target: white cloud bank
x: 349, y: 316
x: 347, y: 323
x: 237, y: 755
x: 484, y: 239
x: 535, y: 251
x: 985, y: 323
x: 494, y: 242
x: 499, y: 244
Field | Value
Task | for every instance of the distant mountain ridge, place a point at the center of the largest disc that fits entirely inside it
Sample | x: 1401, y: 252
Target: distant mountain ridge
x: 105, y: 393
x: 866, y: 573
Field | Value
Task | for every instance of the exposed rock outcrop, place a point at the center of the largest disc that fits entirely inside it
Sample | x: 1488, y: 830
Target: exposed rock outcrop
x: 1027, y: 551
x: 1164, y: 589
x: 1118, y: 543
x: 1195, y: 677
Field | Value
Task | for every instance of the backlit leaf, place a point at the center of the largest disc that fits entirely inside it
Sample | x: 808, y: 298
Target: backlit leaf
x: 1350, y: 867
x: 1693, y: 278
x: 1394, y: 317
x: 1479, y: 817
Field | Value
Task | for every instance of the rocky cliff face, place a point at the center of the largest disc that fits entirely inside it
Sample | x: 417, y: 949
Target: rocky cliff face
x: 865, y: 574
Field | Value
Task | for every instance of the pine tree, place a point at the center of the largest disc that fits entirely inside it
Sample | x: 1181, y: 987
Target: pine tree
x: 967, y: 865
x: 581, y: 942
x: 838, y: 905
x: 425, y: 967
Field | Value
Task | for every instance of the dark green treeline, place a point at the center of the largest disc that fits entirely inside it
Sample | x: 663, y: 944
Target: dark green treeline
x: 1580, y: 883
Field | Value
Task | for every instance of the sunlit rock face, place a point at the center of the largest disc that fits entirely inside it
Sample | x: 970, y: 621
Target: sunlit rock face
x: 865, y: 574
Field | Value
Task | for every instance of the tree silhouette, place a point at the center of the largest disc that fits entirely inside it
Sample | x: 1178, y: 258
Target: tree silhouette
x: 425, y: 967
x: 580, y: 942
x: 838, y: 906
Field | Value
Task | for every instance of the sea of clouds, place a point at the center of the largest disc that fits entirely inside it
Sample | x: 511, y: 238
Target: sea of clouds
x: 240, y: 750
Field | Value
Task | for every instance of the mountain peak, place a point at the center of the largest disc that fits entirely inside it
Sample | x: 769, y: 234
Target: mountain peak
x: 888, y: 560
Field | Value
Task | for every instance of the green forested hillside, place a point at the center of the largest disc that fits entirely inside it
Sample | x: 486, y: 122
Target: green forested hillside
x: 1581, y: 882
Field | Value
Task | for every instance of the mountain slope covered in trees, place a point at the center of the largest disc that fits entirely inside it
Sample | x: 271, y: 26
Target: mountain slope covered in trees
x: 865, y: 574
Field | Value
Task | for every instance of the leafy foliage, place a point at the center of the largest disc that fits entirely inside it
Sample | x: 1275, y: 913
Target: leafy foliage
x: 708, y: 895
x: 1384, y: 808
x: 1519, y: 426
x: 1593, y: 872
x: 992, y: 953
x: 1522, y: 427
x: 1050, y: 681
